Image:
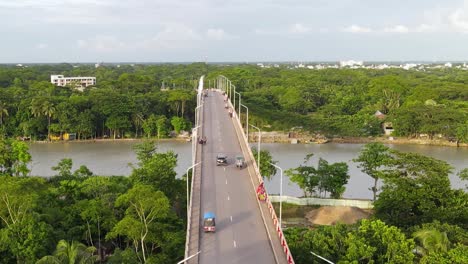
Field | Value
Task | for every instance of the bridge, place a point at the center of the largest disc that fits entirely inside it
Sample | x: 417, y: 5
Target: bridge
x: 247, y: 229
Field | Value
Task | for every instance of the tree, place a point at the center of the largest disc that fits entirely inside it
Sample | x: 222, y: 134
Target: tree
x: 3, y: 112
x: 14, y: 158
x: 178, y: 123
x: 326, y: 177
x: 64, y: 168
x: 144, y: 206
x: 266, y: 169
x: 150, y: 126
x: 372, y: 160
x: 21, y: 232
x: 72, y: 253
x: 161, y: 123
x: 417, y: 190
x: 376, y: 242
x: 431, y: 240
x: 43, y: 107
x: 117, y: 123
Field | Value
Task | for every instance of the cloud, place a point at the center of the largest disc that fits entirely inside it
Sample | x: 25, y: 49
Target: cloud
x: 42, y: 46
x: 102, y: 43
x: 396, y: 29
x: 458, y: 19
x: 425, y: 28
x: 217, y: 34
x: 357, y: 29
x: 299, y: 29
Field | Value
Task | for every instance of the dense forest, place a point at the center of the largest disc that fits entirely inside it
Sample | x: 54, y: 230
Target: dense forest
x: 342, y: 102
x: 153, y: 100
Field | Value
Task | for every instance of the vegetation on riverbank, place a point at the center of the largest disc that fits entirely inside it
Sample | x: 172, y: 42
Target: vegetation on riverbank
x: 136, y: 219
x: 417, y: 217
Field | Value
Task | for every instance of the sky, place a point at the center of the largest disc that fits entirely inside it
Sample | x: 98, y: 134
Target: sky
x: 35, y: 31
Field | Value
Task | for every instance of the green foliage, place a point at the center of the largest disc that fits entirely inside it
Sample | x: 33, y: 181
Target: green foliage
x: 417, y: 190
x: 72, y: 253
x: 369, y: 241
x: 330, y: 178
x: 372, y: 160
x: 266, y: 169
x: 14, y: 158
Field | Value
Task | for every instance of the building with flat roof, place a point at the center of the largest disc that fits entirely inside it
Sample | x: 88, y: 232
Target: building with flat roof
x: 79, y: 82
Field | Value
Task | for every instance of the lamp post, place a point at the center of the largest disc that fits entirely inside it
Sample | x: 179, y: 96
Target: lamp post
x: 281, y: 192
x: 188, y: 200
x: 322, y: 258
x: 239, y: 102
x: 258, y: 148
x: 197, y: 114
x: 247, y: 120
x: 194, y: 142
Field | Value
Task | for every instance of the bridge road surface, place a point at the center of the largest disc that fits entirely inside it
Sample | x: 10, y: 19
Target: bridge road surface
x: 240, y: 235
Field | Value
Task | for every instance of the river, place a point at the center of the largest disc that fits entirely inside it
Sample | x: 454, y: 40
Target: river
x: 115, y: 157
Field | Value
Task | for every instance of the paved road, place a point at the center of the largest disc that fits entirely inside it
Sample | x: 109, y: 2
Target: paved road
x: 228, y: 192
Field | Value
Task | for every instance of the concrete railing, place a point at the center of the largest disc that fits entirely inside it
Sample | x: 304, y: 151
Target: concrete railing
x: 363, y: 204
x: 272, y: 212
x: 194, y: 222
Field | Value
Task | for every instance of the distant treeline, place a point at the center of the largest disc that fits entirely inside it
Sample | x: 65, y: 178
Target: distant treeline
x: 152, y: 100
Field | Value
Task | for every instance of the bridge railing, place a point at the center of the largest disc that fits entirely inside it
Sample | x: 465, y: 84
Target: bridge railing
x: 194, y: 223
x: 273, y: 216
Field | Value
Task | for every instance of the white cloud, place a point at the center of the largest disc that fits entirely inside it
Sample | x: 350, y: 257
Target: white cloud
x: 425, y: 28
x: 102, y: 43
x: 357, y: 29
x: 458, y: 19
x: 173, y: 36
x: 217, y: 34
x: 396, y: 29
x: 42, y: 46
x: 299, y: 29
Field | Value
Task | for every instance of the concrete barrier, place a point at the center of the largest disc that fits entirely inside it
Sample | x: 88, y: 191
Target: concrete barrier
x: 363, y: 204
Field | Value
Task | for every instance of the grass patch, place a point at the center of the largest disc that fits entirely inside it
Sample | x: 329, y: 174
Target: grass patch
x: 294, y: 210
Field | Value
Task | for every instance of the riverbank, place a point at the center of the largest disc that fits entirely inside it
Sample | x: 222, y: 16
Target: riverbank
x: 177, y: 139
x: 295, y: 138
x: 305, y: 138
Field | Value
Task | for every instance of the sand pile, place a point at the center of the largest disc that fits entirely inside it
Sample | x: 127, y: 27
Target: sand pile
x: 330, y: 215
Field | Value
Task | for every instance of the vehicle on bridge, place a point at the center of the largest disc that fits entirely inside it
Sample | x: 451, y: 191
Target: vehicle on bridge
x: 240, y: 162
x: 202, y: 140
x: 209, y: 223
x: 221, y: 159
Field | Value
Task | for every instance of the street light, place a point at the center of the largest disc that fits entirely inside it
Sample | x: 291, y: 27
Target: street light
x: 247, y: 125
x: 194, y: 142
x: 239, y: 102
x: 184, y: 260
x: 188, y: 200
x: 322, y: 258
x: 258, y: 150
x: 281, y: 192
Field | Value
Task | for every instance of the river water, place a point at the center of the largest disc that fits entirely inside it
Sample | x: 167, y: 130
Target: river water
x: 114, y: 158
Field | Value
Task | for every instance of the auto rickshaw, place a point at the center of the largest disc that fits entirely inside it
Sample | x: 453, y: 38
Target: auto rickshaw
x: 240, y: 162
x: 209, y: 223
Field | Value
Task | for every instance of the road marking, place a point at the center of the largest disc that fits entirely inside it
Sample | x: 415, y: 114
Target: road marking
x: 228, y: 198
x: 226, y: 181
x: 224, y: 168
x: 235, y: 245
x: 231, y: 218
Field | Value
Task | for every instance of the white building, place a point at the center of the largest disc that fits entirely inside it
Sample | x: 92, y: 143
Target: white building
x: 79, y: 82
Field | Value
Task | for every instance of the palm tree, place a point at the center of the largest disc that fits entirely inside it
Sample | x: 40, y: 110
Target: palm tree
x: 49, y: 110
x: 3, y: 111
x: 42, y: 107
x: 431, y: 240
x: 70, y: 253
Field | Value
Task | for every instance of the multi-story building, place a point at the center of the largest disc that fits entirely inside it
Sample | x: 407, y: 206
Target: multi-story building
x: 79, y: 82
